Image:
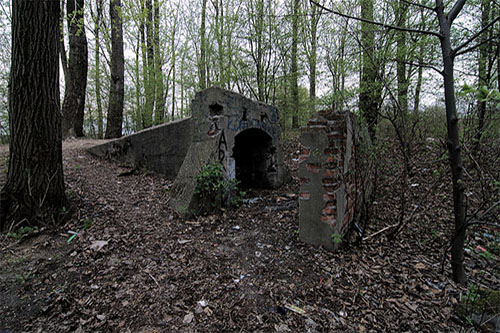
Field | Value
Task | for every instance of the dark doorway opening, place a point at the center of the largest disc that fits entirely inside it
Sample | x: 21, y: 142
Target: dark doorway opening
x: 254, y: 157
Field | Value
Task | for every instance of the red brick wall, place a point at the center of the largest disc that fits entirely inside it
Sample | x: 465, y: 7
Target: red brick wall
x: 329, y: 149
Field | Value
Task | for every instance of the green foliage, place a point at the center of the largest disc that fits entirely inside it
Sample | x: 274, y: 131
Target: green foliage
x: 336, y: 238
x: 22, y: 278
x: 87, y: 223
x: 478, y: 301
x: 482, y: 94
x: 214, y: 191
x: 22, y: 231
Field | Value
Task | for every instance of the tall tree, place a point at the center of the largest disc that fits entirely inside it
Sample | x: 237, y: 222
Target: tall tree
x: 312, y: 51
x: 448, y: 55
x: 35, y: 181
x: 202, y: 65
x: 158, y: 67
x: 76, y: 80
x: 484, y: 69
x: 97, y: 79
x: 149, y: 77
x: 117, y: 82
x: 454, y: 150
x: 370, y: 86
x: 401, y: 57
x: 294, y: 69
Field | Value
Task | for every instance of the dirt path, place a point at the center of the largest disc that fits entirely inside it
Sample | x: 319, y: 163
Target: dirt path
x: 137, y: 267
x: 68, y: 145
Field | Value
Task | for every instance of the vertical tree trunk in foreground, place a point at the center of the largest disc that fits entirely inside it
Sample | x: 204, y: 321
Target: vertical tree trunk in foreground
x: 203, y: 57
x: 483, y: 72
x: 116, y: 89
x: 454, y: 149
x: 97, y: 31
x: 76, y: 80
x: 35, y: 183
x: 294, y: 66
x: 370, y: 87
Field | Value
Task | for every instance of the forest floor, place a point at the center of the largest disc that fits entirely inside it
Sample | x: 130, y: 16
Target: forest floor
x: 136, y: 266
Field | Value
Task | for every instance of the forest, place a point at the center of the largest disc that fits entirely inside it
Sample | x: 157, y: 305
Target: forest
x: 92, y: 245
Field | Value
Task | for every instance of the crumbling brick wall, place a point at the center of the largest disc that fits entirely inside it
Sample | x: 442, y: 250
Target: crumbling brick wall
x: 334, y: 171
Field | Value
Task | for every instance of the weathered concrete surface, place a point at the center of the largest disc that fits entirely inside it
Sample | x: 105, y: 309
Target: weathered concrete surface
x: 334, y: 178
x: 241, y: 134
x: 225, y: 127
x: 161, y: 149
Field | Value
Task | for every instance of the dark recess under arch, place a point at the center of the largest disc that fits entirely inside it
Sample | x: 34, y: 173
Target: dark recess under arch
x: 254, y: 156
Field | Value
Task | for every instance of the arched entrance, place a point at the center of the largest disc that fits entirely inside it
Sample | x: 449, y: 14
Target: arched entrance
x: 254, y: 156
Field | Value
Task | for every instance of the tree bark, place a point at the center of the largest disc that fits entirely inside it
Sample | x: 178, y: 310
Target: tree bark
x: 138, y: 106
x: 76, y: 81
x: 313, y: 56
x: 158, y: 67
x: 454, y: 149
x: 483, y: 79
x: 62, y: 47
x: 294, y: 66
x: 116, y: 89
x: 149, y: 84
x: 370, y: 87
x: 401, y: 55
x: 97, y: 27
x: 35, y: 183
x: 203, y: 61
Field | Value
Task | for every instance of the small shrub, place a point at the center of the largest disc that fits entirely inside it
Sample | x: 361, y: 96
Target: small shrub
x: 214, y: 191
x: 21, y: 232
x: 336, y: 238
x: 87, y: 223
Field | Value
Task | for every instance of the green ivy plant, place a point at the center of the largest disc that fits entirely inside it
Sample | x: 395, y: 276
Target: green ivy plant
x: 214, y: 191
x: 336, y: 238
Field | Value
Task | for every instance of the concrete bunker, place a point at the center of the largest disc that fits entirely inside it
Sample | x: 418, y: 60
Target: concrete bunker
x: 241, y: 134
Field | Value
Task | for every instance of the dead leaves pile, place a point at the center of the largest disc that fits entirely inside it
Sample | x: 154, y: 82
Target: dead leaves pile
x: 141, y: 268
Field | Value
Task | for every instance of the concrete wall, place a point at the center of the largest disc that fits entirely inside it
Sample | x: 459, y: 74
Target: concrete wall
x: 334, y: 177
x: 225, y: 127
x: 161, y: 149
x: 220, y: 116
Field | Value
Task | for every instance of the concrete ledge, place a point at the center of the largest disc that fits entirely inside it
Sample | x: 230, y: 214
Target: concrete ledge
x: 161, y: 148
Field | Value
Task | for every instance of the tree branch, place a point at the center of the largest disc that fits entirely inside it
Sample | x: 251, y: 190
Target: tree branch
x: 420, y: 65
x: 452, y: 15
x: 476, y: 35
x: 387, y: 26
x: 474, y: 47
x: 419, y: 5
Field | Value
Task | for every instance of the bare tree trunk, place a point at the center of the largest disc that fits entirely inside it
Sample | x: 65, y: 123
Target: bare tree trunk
x: 158, y: 67
x: 294, y: 66
x: 35, y: 183
x: 418, y: 86
x: 401, y: 58
x: 76, y: 84
x: 100, y: 122
x: 149, y: 84
x: 483, y: 79
x: 117, y: 82
x: 454, y: 149
x: 370, y: 87
x: 313, y: 57
x: 138, y: 106
x: 62, y: 47
x: 203, y: 56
